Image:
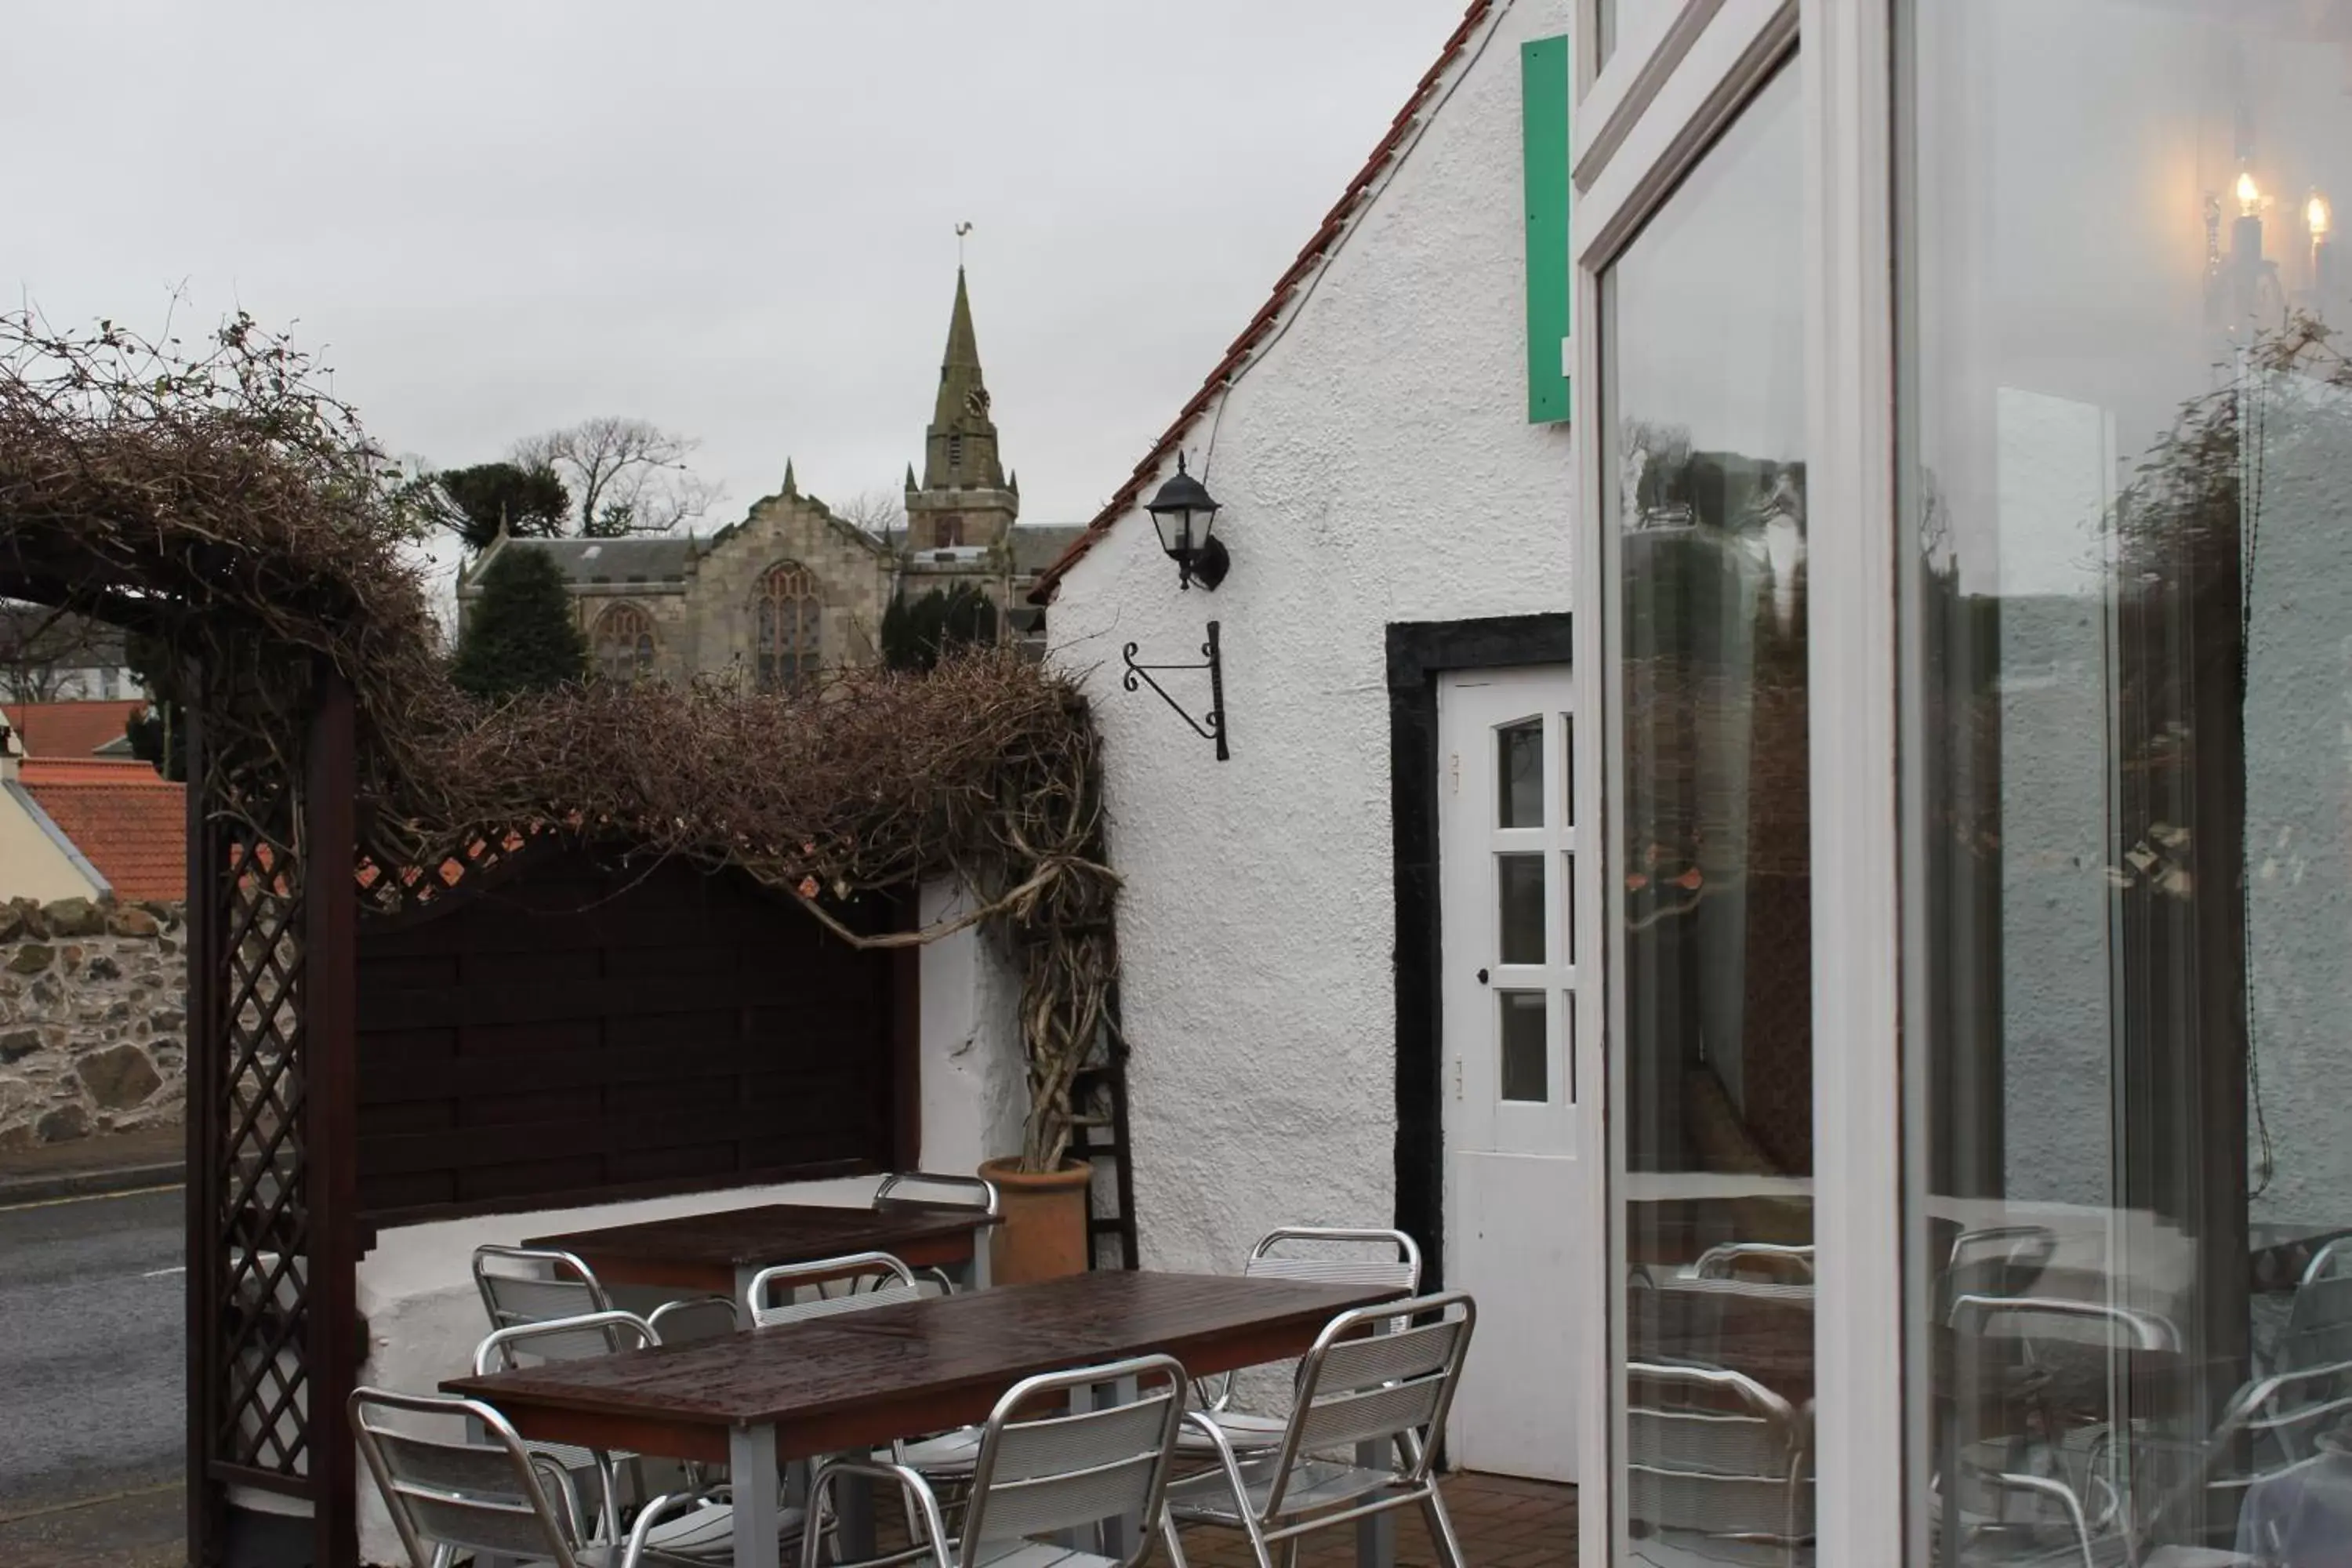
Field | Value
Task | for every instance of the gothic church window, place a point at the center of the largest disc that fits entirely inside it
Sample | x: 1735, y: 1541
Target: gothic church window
x: 787, y: 632
x: 622, y: 645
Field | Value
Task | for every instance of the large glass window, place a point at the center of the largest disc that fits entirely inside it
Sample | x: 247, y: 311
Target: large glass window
x: 2126, y: 462
x: 1711, y: 1175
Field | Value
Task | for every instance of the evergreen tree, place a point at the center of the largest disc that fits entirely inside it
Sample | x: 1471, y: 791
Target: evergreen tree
x: 916, y: 635
x: 525, y: 501
x: 519, y: 636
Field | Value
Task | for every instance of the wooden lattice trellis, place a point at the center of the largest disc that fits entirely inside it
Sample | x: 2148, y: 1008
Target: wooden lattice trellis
x: 271, y: 1239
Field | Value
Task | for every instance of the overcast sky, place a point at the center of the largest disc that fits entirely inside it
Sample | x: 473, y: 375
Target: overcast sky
x: 736, y: 220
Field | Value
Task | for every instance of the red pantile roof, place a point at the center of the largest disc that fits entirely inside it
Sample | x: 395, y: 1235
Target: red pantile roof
x: 68, y: 729
x: 127, y: 821
x: 1316, y: 249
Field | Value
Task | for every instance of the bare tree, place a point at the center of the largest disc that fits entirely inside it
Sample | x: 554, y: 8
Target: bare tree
x: 42, y: 649
x: 625, y: 476
x: 879, y: 512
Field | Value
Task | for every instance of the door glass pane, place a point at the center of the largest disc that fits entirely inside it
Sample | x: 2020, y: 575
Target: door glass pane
x: 1525, y: 1059
x: 2126, y: 468
x: 1567, y: 768
x: 1567, y: 909
x: 1703, y: 388
x: 1519, y: 774
x: 1520, y: 915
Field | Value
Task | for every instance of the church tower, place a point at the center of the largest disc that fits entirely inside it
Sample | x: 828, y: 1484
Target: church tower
x: 964, y: 498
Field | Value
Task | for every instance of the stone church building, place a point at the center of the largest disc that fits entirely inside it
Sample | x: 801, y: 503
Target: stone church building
x: 793, y: 590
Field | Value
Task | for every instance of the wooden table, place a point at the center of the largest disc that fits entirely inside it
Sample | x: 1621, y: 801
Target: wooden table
x: 718, y: 1253
x: 855, y: 1381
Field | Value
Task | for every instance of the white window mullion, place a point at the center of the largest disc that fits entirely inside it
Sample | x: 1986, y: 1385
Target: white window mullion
x: 1857, y: 1083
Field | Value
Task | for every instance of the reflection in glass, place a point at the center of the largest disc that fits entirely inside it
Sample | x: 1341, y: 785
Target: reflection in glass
x: 1525, y: 1066
x: 1703, y: 367
x: 1519, y: 774
x: 2126, y: 476
x: 1519, y: 897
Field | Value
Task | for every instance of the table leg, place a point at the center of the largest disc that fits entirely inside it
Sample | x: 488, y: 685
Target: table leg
x: 752, y: 1467
x: 1376, y: 1533
x: 854, y: 1497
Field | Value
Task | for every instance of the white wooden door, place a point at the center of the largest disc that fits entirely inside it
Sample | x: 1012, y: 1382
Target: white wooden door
x: 1514, y: 1069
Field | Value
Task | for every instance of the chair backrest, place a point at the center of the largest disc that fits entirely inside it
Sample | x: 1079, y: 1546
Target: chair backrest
x: 1045, y: 1465
x: 2319, y: 1324
x: 589, y: 1334
x: 1766, y: 1260
x: 1998, y: 1260
x: 1713, y: 1450
x: 855, y: 1283
x: 486, y: 1496
x: 904, y: 1190
x: 535, y: 1285
x: 1378, y: 1375
x: 2059, y: 1320
x: 1337, y: 1255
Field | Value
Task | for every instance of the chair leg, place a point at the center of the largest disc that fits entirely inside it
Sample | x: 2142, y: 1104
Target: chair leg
x: 1440, y: 1528
x: 1167, y: 1536
x: 1256, y: 1535
x: 1290, y: 1552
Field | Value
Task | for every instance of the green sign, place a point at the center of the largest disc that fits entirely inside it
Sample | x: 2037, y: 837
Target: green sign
x: 1551, y: 294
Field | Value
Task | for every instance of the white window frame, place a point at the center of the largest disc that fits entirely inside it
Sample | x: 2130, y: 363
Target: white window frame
x: 1644, y: 119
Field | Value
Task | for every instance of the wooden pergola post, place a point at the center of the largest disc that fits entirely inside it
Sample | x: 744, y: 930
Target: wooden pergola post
x: 273, y: 1325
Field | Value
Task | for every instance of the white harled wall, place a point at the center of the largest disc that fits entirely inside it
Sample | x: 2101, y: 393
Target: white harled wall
x: 1375, y: 466
x: 416, y: 1288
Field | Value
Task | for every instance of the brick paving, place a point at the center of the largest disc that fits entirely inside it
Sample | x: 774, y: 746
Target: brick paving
x: 1503, y: 1523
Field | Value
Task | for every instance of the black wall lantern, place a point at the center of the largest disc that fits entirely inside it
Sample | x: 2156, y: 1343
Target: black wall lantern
x: 1184, y: 513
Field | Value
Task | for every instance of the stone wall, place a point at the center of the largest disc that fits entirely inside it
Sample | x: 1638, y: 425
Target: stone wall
x: 93, y: 1019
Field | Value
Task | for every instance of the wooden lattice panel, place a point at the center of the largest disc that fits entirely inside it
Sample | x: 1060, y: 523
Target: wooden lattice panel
x: 394, y: 893
x: 261, y: 1241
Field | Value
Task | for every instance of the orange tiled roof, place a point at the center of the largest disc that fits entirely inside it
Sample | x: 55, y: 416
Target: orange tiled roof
x: 68, y: 729
x: 126, y: 820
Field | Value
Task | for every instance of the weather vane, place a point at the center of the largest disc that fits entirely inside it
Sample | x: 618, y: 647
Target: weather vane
x: 961, y: 230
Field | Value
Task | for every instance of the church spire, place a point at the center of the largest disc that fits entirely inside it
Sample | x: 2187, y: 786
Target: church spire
x: 960, y: 449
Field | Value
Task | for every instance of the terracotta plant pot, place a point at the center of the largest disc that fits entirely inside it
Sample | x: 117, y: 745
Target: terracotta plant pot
x: 1044, y: 1235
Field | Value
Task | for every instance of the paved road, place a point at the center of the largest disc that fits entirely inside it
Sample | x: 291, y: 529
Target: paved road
x: 91, y: 1371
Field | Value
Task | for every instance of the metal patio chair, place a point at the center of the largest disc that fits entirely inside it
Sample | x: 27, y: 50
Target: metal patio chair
x: 535, y: 1285
x: 487, y: 1495
x: 2319, y: 1323
x: 2060, y: 1353
x: 1366, y: 1387
x: 1328, y: 1255
x: 1047, y: 1466
x: 2270, y: 1434
x: 851, y: 1283
x: 903, y: 1190
x: 860, y: 1281
x: 705, y: 1531
x: 1714, y: 1454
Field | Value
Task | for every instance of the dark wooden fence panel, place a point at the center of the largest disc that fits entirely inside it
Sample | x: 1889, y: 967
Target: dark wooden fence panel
x: 591, y: 1028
